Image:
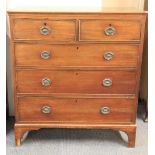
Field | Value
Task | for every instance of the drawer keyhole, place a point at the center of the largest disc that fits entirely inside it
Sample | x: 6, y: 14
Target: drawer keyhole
x: 45, y: 24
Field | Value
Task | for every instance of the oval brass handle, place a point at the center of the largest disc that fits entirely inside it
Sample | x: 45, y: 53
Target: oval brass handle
x: 107, y: 82
x: 110, y: 31
x: 108, y: 55
x: 46, y: 109
x: 44, y: 30
x: 45, y: 54
x: 46, y: 82
x: 105, y: 110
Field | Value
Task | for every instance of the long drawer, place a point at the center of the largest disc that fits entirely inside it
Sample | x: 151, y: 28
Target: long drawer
x: 80, y: 55
x: 50, y: 81
x: 47, y: 109
x: 110, y: 30
x: 47, y: 30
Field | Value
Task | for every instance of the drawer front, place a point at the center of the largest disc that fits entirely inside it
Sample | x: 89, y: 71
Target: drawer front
x: 110, y: 30
x: 46, y: 109
x: 106, y: 82
x: 98, y: 55
x: 52, y: 30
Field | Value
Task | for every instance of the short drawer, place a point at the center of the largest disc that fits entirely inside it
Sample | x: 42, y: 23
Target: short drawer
x: 110, y: 30
x: 46, y: 109
x: 80, y: 55
x: 50, y: 81
x: 52, y: 30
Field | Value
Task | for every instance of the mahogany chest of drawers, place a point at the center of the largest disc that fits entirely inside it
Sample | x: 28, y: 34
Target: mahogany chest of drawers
x: 76, y: 70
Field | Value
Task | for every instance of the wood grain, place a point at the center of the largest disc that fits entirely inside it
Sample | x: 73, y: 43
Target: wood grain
x: 76, y: 110
x: 79, y: 55
x: 93, y: 30
x: 60, y: 30
x: 89, y: 82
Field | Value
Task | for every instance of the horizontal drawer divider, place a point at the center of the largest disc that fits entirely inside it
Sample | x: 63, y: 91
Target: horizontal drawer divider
x: 76, y: 68
x: 77, y: 42
x: 75, y: 123
x: 60, y: 95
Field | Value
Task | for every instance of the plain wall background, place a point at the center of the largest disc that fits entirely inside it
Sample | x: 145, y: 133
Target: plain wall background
x: 29, y: 5
x: 72, y: 5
